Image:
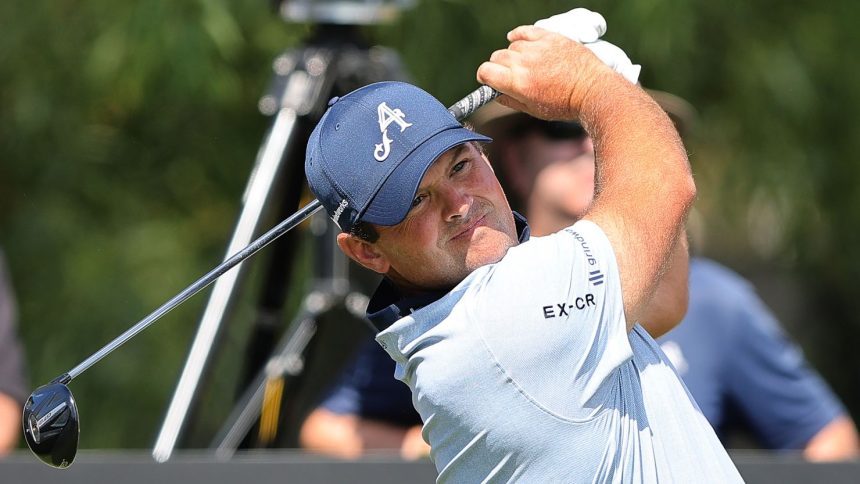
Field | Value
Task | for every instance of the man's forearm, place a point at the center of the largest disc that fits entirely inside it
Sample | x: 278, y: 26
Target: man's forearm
x: 350, y: 436
x: 838, y: 440
x: 10, y: 423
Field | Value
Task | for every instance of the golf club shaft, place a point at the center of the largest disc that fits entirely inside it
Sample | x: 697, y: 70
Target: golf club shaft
x: 462, y: 109
x: 194, y: 288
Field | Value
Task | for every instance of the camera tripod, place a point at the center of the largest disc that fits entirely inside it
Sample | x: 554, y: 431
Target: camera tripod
x: 335, y: 60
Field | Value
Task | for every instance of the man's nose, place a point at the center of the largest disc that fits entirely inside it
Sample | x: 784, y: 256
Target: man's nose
x: 457, y: 203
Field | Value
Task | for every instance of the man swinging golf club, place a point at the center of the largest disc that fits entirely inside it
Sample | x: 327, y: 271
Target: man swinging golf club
x: 524, y: 358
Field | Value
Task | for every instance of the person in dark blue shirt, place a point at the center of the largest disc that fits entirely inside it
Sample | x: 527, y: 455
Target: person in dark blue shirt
x: 366, y: 409
x: 737, y: 362
x: 744, y: 370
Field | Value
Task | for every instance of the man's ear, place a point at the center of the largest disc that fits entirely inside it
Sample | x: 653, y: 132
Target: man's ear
x: 363, y: 252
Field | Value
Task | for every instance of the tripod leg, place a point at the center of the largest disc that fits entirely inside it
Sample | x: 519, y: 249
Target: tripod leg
x: 263, y: 178
x: 351, y: 65
x: 268, y: 321
x: 323, y: 311
x: 286, y: 360
x: 296, y: 91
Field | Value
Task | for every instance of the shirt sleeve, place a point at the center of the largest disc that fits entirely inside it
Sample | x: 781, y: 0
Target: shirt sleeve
x: 367, y: 388
x: 781, y: 397
x: 552, y: 317
x: 12, y: 380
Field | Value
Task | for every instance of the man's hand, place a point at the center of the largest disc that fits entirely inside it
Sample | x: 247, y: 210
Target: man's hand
x: 544, y: 74
x: 837, y: 441
x: 350, y: 436
x: 548, y: 78
x: 579, y: 24
x: 616, y: 59
x: 584, y: 26
x: 414, y: 447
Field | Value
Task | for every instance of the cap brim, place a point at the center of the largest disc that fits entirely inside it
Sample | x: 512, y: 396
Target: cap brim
x: 394, y: 199
x: 682, y: 113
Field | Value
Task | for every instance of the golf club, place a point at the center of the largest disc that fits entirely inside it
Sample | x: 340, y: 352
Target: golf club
x: 50, y: 418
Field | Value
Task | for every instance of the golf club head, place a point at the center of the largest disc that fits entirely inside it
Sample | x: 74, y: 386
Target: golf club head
x: 50, y: 423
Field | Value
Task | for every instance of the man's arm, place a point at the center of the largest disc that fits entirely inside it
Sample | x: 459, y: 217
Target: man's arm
x: 10, y: 423
x: 672, y: 296
x: 350, y: 436
x: 341, y: 426
x: 644, y: 185
x: 837, y: 441
x: 557, y: 202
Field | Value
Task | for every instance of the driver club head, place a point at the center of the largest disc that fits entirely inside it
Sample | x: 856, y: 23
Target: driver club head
x: 50, y: 423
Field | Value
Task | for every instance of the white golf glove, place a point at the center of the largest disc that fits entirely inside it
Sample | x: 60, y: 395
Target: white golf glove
x: 616, y: 59
x: 586, y: 27
x: 579, y: 24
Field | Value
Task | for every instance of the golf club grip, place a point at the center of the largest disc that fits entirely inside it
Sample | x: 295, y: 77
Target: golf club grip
x: 464, y: 108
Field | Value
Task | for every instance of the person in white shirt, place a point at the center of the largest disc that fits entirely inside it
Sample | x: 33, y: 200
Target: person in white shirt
x: 525, y: 360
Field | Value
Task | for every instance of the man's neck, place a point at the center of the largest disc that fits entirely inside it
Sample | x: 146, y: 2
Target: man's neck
x: 390, y: 303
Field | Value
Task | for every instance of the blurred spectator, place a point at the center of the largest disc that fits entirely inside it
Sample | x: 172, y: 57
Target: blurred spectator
x: 737, y: 362
x: 745, y: 373
x: 13, y: 388
x: 366, y: 410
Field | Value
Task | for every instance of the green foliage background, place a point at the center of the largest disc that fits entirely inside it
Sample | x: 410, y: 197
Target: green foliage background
x: 128, y: 129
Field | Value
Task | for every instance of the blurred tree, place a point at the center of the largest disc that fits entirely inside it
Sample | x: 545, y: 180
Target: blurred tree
x: 128, y: 133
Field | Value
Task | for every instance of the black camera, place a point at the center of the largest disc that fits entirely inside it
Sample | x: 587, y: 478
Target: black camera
x: 343, y: 12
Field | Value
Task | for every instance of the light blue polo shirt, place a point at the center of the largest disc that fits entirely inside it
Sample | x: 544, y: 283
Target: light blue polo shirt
x: 525, y: 372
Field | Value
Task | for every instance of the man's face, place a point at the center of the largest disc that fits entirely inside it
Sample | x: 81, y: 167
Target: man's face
x: 564, y: 178
x: 460, y: 220
x: 551, y: 172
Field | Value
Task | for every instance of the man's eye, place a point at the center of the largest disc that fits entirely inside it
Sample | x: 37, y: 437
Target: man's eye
x: 417, y: 200
x: 459, y: 166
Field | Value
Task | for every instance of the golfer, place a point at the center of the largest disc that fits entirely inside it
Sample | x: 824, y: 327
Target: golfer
x: 525, y: 359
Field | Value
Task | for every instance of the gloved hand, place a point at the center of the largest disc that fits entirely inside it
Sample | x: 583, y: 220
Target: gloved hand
x: 579, y: 24
x: 616, y: 59
x: 586, y: 27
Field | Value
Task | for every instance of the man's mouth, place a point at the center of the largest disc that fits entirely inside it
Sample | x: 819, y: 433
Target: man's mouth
x: 470, y: 227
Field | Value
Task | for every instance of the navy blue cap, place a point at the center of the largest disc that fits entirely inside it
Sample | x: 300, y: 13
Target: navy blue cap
x: 369, y: 152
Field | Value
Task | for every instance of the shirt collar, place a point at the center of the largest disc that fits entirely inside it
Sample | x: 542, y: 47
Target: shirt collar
x: 387, y: 304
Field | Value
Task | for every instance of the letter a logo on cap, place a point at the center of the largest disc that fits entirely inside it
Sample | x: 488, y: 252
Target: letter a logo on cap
x: 386, y: 117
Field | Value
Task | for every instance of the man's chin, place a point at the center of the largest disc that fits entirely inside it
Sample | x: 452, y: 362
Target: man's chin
x: 489, y: 246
